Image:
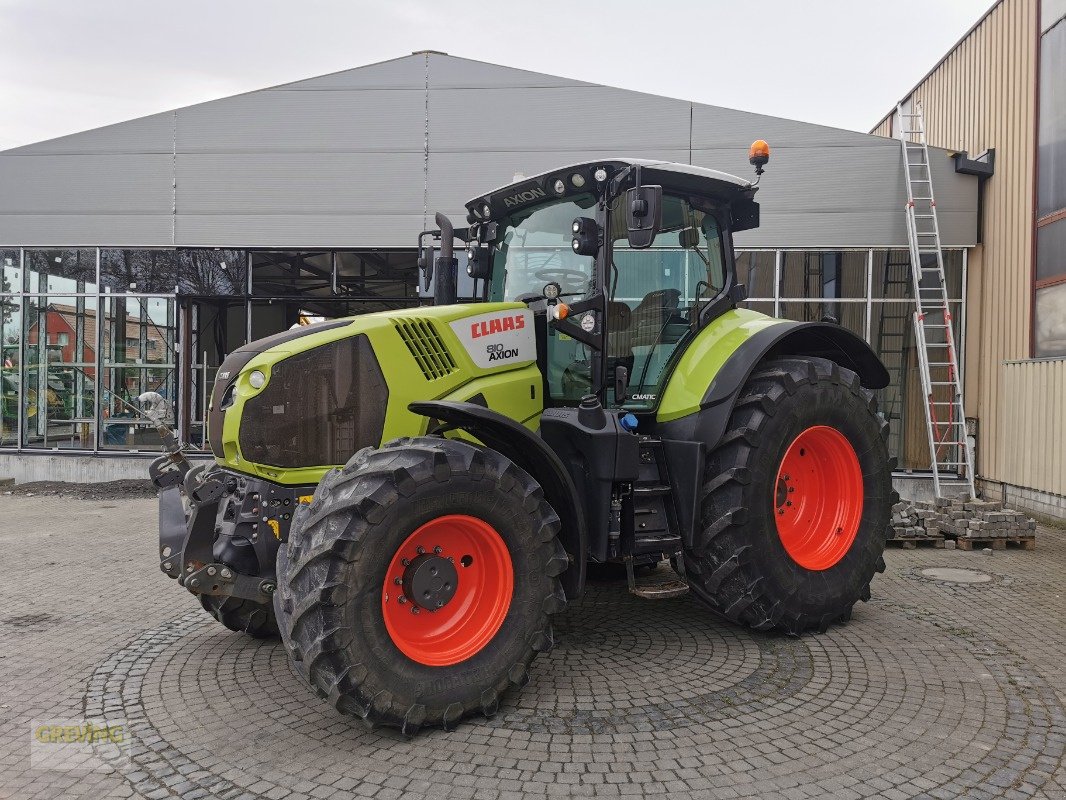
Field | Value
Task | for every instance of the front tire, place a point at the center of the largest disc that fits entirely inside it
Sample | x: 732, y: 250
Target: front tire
x: 242, y: 616
x: 419, y: 583
x: 796, y: 500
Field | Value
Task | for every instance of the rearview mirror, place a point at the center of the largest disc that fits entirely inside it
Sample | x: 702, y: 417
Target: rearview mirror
x: 644, y: 215
x: 425, y: 264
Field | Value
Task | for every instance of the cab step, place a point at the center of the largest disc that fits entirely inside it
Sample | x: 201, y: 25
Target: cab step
x: 655, y: 589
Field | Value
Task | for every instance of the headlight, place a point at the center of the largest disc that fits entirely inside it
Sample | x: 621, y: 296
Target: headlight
x: 257, y: 379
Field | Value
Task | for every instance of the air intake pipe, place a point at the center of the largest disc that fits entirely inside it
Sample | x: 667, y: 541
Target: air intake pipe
x: 445, y: 266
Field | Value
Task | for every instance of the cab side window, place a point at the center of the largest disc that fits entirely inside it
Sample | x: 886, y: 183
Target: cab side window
x: 656, y: 293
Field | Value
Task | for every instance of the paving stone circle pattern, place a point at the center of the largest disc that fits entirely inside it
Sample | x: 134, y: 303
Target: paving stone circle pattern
x: 939, y: 687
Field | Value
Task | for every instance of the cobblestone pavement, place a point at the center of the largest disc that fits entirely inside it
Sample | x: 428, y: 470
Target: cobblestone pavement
x: 934, y: 689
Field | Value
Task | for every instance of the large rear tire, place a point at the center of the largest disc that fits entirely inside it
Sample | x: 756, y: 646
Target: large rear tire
x: 796, y: 500
x: 419, y: 583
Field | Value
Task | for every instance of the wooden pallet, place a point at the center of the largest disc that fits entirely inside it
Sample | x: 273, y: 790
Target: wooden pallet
x: 997, y: 543
x: 912, y: 542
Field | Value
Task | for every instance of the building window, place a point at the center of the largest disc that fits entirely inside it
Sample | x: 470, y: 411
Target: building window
x: 10, y: 271
x: 139, y: 271
x: 1049, y: 308
x: 137, y: 371
x: 58, y: 372
x: 10, y: 338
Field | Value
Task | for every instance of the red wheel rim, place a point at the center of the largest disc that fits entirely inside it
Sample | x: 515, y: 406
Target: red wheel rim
x: 441, y: 624
x: 818, y: 497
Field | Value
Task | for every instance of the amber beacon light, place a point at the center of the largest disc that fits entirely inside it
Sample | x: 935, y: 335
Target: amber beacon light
x: 759, y: 155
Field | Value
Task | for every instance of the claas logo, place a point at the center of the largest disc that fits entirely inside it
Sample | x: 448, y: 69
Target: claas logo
x: 495, y: 325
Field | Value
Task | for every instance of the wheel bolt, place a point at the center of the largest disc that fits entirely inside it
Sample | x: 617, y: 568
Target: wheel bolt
x: 792, y: 488
x: 414, y: 609
x: 398, y: 581
x: 438, y: 550
x: 405, y: 562
x: 401, y: 600
x: 780, y: 511
x: 788, y: 502
x: 420, y: 550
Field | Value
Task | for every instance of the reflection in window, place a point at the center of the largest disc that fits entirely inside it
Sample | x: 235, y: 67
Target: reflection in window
x: 1050, y: 321
x: 824, y: 274
x: 1051, y: 135
x: 380, y: 273
x: 141, y: 271
x: 59, y: 373
x: 1051, y: 251
x: 60, y: 271
x: 10, y: 334
x: 892, y: 274
x: 282, y: 274
x: 10, y: 271
x: 209, y: 273
x: 755, y: 269
x: 138, y: 375
x: 1049, y: 310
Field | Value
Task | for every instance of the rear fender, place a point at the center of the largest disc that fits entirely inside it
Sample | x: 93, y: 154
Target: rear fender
x: 531, y: 453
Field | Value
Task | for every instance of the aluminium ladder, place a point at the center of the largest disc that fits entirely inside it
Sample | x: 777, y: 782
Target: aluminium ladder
x: 938, y: 362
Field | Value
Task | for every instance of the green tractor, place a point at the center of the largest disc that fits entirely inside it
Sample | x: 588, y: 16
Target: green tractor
x: 409, y: 497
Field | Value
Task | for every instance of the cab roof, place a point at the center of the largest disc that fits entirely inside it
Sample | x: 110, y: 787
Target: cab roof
x: 669, y: 174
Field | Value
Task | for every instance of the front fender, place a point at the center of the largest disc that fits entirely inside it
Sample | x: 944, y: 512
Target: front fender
x: 531, y: 453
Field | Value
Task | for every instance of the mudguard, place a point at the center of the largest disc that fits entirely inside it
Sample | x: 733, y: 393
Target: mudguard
x: 532, y: 454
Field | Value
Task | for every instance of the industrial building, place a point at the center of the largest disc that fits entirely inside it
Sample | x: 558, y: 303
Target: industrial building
x: 137, y: 255
x: 1001, y: 90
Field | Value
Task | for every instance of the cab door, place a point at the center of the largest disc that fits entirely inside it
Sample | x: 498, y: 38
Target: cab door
x: 655, y: 295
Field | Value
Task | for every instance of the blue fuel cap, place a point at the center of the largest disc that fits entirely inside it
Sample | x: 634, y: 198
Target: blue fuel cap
x: 629, y: 422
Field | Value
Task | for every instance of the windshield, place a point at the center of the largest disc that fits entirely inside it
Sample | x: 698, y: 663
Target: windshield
x: 535, y: 249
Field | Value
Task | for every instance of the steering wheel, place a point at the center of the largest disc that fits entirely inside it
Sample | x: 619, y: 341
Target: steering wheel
x: 562, y: 276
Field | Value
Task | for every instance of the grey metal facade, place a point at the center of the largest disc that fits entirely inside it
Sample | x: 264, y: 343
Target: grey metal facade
x: 362, y: 158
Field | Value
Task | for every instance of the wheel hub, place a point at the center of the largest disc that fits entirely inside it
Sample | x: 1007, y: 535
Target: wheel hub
x: 430, y: 581
x: 818, y: 497
x: 432, y: 616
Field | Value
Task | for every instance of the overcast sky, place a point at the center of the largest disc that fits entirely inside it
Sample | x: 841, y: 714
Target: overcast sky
x: 71, y: 65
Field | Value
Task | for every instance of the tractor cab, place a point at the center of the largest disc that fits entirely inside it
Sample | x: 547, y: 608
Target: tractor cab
x: 622, y: 261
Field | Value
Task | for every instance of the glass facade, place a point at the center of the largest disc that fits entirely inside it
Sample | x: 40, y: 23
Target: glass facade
x: 94, y: 338
x: 871, y: 293
x: 1049, y: 307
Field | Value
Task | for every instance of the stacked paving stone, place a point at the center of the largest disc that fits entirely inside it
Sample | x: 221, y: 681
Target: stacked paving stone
x: 962, y: 518
x: 966, y: 518
x: 909, y: 520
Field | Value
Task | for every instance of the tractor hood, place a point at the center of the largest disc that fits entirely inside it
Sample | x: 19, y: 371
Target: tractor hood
x: 292, y: 406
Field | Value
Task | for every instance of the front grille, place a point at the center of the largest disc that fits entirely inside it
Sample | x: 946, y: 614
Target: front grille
x: 426, y: 346
x: 318, y: 408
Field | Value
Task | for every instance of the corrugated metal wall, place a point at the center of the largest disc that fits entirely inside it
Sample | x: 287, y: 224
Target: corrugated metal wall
x: 362, y: 158
x: 984, y: 95
x: 1029, y: 455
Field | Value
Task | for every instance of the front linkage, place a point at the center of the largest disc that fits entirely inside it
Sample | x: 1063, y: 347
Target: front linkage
x: 219, y: 532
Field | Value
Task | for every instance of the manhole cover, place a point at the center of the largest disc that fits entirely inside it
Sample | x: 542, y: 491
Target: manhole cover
x: 954, y: 575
